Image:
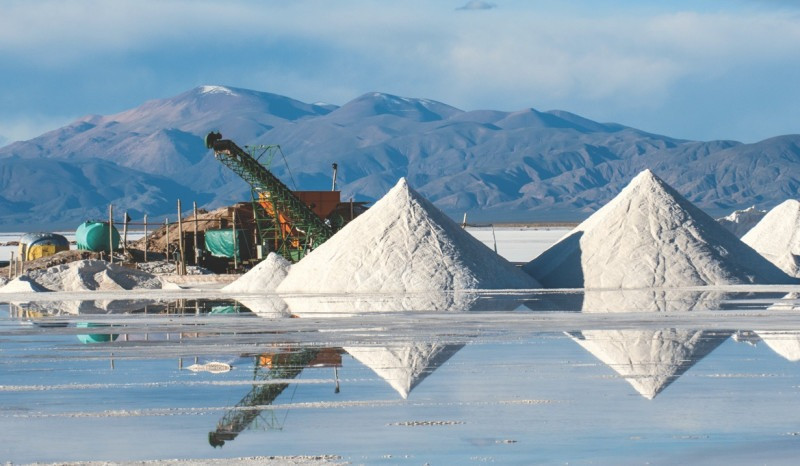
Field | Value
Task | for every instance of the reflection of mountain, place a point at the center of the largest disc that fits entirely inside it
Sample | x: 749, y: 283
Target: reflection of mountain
x: 649, y: 360
x: 404, y: 367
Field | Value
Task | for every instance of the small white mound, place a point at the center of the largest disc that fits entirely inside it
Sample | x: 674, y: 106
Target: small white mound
x: 777, y: 237
x: 650, y: 236
x: 21, y: 284
x: 91, y: 275
x: 265, y: 276
x: 212, y: 367
x: 740, y: 222
x: 402, y: 244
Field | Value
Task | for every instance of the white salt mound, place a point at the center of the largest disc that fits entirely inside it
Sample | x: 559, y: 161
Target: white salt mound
x: 21, y: 284
x: 740, y: 222
x: 777, y: 237
x: 90, y: 275
x: 402, y: 244
x: 650, y: 236
x: 649, y: 360
x: 265, y: 276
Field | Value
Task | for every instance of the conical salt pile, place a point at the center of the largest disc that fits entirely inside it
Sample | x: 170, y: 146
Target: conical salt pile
x: 777, y: 237
x: 650, y: 236
x: 404, y: 367
x: 402, y: 244
x: 265, y: 276
x: 649, y: 360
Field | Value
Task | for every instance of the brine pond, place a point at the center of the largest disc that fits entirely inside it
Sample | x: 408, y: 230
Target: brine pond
x: 644, y: 376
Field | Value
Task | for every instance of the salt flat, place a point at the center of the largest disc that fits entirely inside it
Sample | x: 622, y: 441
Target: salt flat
x: 103, y: 376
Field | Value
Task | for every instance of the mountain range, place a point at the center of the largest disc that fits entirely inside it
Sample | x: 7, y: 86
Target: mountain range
x: 525, y: 165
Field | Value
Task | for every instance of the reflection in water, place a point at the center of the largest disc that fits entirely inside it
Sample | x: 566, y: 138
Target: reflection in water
x: 785, y: 343
x: 404, y: 366
x: 345, y: 305
x: 281, y: 365
x: 650, y: 360
x: 652, y: 300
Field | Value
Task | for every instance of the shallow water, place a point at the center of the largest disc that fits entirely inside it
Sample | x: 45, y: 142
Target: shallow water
x: 528, y: 377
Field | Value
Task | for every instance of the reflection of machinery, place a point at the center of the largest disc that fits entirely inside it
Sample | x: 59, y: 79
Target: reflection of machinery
x: 291, y: 223
x: 270, y: 367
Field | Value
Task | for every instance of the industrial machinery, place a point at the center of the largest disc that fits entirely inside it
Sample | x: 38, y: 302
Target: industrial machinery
x: 291, y: 223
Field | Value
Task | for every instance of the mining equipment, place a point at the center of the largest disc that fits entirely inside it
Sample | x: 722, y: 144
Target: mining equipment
x: 291, y: 223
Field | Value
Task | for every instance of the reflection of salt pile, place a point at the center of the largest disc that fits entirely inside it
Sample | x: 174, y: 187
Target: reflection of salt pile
x: 784, y: 342
x: 651, y: 300
x: 650, y: 236
x: 404, y: 367
x: 265, y: 276
x: 88, y: 275
x: 777, y: 237
x: 72, y: 307
x: 649, y: 360
x: 740, y: 222
x: 402, y: 244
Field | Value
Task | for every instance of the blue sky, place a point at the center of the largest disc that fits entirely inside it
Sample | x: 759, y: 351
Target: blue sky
x: 690, y: 69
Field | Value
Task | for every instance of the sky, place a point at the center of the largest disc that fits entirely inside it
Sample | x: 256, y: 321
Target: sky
x: 703, y: 69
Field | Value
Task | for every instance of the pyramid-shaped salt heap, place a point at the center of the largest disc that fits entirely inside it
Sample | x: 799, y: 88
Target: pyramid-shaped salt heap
x: 650, y: 236
x: 777, y: 237
x: 649, y: 360
x: 404, y: 366
x: 402, y: 244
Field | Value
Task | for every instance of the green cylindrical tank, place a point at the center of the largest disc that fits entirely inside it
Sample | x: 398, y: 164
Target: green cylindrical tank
x: 93, y: 236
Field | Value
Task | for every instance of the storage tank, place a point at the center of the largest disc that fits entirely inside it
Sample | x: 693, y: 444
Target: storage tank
x: 35, y: 245
x: 93, y: 236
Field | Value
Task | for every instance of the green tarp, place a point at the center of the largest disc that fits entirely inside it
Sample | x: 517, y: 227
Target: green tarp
x: 219, y: 243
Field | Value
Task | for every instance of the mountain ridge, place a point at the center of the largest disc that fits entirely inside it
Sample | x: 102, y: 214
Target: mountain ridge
x: 523, y: 165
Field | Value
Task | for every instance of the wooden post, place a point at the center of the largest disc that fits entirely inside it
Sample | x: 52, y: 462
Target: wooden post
x: 10, y: 265
x: 196, y: 250
x: 146, y: 239
x: 351, y: 209
x: 125, y: 233
x: 233, y: 227
x: 166, y: 226
x: 182, y: 264
x: 111, y: 232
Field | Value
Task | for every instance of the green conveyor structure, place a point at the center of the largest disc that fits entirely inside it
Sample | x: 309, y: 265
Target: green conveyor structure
x: 291, y: 229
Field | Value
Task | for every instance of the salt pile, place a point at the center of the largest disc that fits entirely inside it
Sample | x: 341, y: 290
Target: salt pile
x: 650, y: 236
x: 21, y: 284
x: 404, y: 367
x: 740, y: 222
x: 90, y: 275
x: 402, y: 244
x: 777, y: 237
x: 649, y: 360
x: 265, y: 276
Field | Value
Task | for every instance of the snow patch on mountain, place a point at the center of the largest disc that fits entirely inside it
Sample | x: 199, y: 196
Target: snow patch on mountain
x: 739, y: 222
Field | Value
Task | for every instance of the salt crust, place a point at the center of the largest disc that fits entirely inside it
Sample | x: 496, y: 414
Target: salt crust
x: 777, y: 237
x: 650, y: 236
x: 88, y: 275
x: 403, y: 244
x: 265, y: 276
